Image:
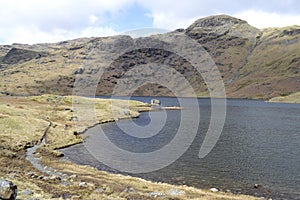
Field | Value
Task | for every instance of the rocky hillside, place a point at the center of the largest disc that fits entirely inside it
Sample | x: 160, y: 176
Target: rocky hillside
x: 253, y: 63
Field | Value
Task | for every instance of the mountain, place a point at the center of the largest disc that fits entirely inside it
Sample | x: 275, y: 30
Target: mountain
x: 253, y: 63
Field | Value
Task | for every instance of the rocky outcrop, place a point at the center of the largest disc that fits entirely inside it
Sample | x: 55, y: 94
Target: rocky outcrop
x: 8, y: 191
x: 214, y: 27
x: 16, y: 55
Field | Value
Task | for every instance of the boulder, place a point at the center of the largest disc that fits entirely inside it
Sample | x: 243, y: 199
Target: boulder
x: 27, y: 192
x: 55, y: 178
x: 8, y: 191
x: 82, y: 184
x: 175, y: 192
x: 129, y: 190
x: 155, y: 102
x: 156, y: 194
x: 214, y: 189
x: 127, y: 112
x: 100, y: 190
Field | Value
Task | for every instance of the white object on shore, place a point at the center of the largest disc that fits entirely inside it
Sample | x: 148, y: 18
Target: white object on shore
x: 214, y: 189
x: 155, y: 102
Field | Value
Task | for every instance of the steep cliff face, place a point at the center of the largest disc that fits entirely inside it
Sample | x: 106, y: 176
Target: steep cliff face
x: 253, y: 63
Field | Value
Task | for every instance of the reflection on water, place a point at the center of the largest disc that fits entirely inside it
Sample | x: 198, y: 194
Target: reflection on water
x: 259, y: 145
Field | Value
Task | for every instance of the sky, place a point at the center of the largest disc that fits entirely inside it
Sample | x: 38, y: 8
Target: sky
x: 40, y: 21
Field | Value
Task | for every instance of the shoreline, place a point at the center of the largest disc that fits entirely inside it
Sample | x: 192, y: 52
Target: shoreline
x: 256, y: 190
x: 293, y: 98
x: 35, y: 113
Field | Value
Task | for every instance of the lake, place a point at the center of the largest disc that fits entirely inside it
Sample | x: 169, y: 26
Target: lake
x: 259, y: 144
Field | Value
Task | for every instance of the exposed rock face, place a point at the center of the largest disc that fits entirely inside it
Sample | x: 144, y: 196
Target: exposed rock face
x: 8, y: 191
x: 253, y: 63
x: 214, y: 27
x: 16, y: 55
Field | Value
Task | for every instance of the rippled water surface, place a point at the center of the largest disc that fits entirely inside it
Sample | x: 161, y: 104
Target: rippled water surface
x: 259, y: 144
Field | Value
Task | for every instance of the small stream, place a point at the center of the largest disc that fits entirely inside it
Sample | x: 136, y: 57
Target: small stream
x: 30, y: 156
x: 35, y: 161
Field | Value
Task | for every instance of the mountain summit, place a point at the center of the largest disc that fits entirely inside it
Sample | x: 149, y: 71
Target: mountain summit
x: 254, y: 63
x: 213, y: 27
x: 217, y: 21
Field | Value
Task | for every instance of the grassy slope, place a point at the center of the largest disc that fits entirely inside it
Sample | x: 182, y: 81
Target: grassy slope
x: 23, y: 122
x: 292, y: 98
x: 273, y: 67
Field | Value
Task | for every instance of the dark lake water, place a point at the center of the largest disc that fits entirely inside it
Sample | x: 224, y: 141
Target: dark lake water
x: 259, y: 144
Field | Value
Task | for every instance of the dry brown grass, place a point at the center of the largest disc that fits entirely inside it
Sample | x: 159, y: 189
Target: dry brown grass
x: 23, y: 121
x: 115, y: 185
x: 292, y: 98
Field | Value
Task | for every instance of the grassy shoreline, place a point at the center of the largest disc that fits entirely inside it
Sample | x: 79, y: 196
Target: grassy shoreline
x: 24, y: 120
x: 292, y: 98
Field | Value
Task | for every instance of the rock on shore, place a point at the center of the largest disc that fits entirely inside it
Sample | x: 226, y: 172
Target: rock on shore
x: 8, y: 191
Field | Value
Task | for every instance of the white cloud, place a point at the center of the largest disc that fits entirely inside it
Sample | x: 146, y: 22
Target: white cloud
x: 261, y: 19
x: 169, y: 14
x: 171, y: 21
x: 31, y: 35
x: 93, y: 19
x: 33, y: 21
x: 175, y: 14
x: 97, y: 31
